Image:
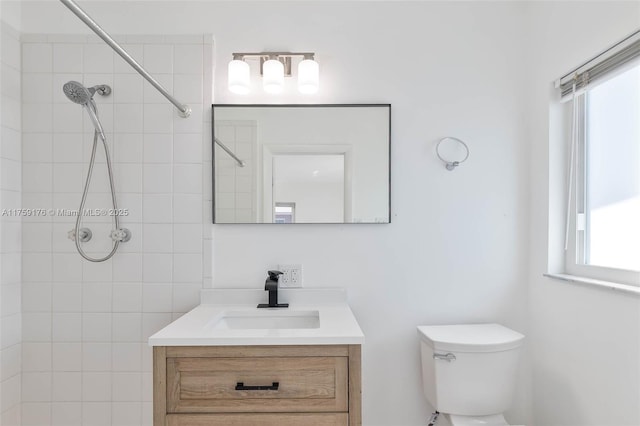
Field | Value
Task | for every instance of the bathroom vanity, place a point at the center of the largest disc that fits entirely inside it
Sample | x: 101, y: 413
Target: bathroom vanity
x: 228, y: 363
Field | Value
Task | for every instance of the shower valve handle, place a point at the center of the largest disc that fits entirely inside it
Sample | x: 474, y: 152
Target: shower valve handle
x: 123, y: 235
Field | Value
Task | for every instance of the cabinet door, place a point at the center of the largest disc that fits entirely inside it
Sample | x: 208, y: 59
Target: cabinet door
x: 257, y: 385
x: 301, y: 419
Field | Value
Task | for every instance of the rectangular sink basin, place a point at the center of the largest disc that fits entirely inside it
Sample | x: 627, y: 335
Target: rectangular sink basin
x: 264, y: 319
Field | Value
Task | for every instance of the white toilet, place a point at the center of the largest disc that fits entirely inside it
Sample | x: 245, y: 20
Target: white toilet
x: 469, y: 371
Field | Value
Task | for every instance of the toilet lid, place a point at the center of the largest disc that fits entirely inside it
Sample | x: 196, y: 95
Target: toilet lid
x: 495, y: 420
x: 470, y: 337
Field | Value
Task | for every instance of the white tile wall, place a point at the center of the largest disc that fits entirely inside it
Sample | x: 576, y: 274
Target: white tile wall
x: 10, y: 229
x: 85, y: 360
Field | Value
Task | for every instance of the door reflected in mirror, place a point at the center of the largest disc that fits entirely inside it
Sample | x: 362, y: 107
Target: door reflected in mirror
x: 290, y: 164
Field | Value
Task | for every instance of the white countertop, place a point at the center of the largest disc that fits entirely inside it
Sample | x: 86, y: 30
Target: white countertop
x: 338, y: 325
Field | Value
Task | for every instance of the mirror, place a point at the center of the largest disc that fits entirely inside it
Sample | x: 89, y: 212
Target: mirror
x: 301, y: 163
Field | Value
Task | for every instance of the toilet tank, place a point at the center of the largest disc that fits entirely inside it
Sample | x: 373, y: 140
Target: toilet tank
x: 469, y: 369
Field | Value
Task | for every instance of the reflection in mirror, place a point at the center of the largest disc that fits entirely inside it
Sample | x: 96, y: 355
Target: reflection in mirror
x: 312, y: 184
x: 302, y: 163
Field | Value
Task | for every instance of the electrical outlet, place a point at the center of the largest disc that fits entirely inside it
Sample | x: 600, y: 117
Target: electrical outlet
x: 285, y: 278
x: 291, y: 275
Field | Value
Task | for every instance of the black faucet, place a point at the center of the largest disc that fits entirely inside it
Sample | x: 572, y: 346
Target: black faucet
x: 271, y: 285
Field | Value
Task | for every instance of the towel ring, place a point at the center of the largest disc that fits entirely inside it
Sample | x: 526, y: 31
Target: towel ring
x: 451, y: 165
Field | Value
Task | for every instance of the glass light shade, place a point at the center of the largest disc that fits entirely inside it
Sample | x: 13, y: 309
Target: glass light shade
x: 308, y: 76
x: 239, y: 77
x: 273, y: 76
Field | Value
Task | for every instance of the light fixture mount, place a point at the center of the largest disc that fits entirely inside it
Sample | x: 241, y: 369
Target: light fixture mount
x: 285, y: 60
x: 284, y: 57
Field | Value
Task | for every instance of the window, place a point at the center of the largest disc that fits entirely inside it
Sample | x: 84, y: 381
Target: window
x: 603, y: 238
x: 611, y: 174
x: 284, y: 213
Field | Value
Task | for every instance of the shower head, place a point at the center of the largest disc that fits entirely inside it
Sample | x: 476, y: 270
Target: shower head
x: 76, y: 92
x: 79, y: 94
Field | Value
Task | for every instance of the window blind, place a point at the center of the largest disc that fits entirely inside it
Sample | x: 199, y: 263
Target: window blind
x: 610, y: 60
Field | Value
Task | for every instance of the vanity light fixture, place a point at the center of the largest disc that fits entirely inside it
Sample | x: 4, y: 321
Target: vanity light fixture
x: 308, y: 76
x: 239, y: 77
x: 272, y: 75
x: 274, y: 67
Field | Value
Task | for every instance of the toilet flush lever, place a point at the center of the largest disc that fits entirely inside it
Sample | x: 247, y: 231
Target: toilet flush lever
x: 447, y: 357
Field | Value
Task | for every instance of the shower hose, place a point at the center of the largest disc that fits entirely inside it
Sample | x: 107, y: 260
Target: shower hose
x: 116, y: 242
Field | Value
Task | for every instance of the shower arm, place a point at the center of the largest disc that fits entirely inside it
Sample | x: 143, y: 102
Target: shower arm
x: 228, y: 151
x: 183, y: 110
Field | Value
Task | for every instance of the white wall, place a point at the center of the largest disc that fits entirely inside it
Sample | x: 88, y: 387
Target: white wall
x: 585, y: 341
x: 455, y: 250
x: 11, y: 13
x: 10, y: 225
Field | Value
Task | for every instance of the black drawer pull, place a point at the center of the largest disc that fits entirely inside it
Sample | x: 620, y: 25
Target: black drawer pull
x: 241, y: 386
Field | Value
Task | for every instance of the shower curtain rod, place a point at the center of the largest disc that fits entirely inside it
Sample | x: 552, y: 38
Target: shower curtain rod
x: 184, y: 110
x: 228, y: 151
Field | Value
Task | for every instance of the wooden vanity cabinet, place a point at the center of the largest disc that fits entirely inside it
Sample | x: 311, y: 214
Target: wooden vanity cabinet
x: 257, y: 385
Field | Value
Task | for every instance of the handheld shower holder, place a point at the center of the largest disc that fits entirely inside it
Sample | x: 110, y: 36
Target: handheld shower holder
x: 102, y: 89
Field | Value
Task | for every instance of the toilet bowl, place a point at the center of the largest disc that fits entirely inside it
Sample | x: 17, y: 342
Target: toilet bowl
x: 469, y: 371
